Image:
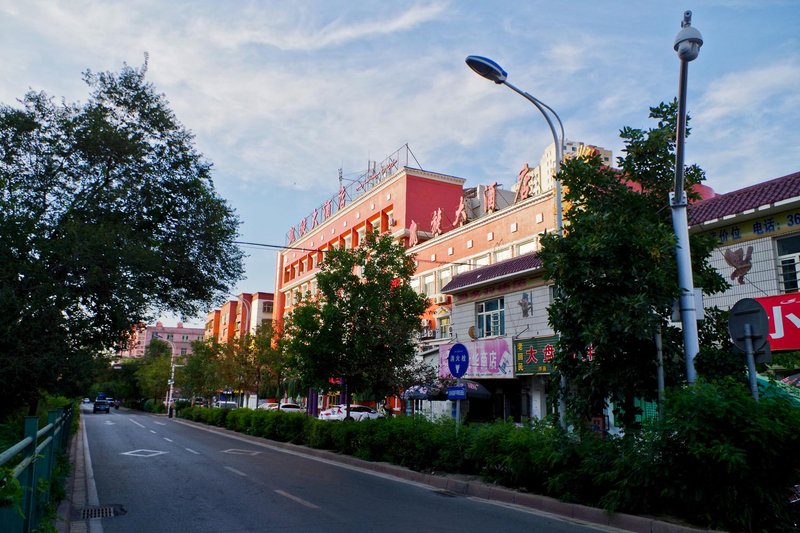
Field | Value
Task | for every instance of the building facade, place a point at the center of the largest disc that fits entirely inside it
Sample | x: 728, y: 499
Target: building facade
x: 245, y: 314
x: 179, y: 338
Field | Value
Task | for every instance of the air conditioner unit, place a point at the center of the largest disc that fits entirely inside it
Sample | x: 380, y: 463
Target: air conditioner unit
x: 440, y: 299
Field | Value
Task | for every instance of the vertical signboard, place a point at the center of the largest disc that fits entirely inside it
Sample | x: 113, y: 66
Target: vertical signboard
x: 534, y: 356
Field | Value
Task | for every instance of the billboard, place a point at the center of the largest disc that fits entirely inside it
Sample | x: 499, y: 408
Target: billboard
x: 783, y: 313
x: 489, y: 358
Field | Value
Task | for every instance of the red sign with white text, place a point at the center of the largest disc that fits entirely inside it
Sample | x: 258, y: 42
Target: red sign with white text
x: 783, y: 313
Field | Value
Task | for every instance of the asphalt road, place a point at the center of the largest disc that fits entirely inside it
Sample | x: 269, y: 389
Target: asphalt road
x: 172, y: 477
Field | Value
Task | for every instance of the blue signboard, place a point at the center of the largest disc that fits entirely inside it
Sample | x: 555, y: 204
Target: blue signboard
x: 458, y: 360
x: 457, y: 393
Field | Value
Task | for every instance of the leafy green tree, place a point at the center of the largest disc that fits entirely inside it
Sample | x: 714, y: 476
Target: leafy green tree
x: 270, y: 361
x: 615, y: 272
x: 201, y: 376
x: 154, y: 370
x: 357, y: 333
x: 107, y: 214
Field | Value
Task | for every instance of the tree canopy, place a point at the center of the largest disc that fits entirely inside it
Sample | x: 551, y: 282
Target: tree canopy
x: 357, y: 333
x: 107, y: 214
x: 615, y: 272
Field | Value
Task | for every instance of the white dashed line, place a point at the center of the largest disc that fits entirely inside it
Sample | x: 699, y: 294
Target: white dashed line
x: 236, y: 471
x: 192, y: 451
x: 301, y: 501
x: 168, y: 440
x: 137, y: 423
x: 151, y: 431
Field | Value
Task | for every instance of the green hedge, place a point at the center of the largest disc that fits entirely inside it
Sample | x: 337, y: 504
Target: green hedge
x: 718, y: 459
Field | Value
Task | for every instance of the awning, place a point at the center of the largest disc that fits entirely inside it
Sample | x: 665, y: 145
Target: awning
x: 427, y: 391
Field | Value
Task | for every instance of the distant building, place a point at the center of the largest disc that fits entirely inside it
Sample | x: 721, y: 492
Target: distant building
x: 179, y: 338
x: 245, y: 314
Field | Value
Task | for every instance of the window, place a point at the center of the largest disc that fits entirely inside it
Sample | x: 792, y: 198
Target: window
x: 527, y: 247
x: 490, y: 318
x: 415, y: 284
x: 444, y: 277
x: 266, y: 307
x: 184, y: 338
x: 183, y: 351
x: 169, y: 336
x: 502, y: 255
x: 788, y: 260
x: 444, y: 327
x: 462, y: 267
x: 482, y: 260
x: 430, y: 289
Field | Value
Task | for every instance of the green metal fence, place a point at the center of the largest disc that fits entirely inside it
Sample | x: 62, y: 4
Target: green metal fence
x: 32, y: 461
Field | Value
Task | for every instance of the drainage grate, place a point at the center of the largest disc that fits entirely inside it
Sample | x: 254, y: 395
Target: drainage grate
x: 107, y: 511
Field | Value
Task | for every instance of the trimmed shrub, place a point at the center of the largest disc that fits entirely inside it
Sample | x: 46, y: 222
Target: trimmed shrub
x: 239, y: 419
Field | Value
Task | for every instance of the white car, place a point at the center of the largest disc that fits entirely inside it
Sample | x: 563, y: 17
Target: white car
x: 268, y: 405
x: 357, y: 412
x: 290, y: 408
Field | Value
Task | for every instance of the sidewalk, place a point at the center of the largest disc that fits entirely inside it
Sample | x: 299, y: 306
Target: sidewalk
x: 79, y: 502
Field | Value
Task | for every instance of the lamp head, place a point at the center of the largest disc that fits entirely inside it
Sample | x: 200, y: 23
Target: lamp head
x: 486, y: 68
x: 688, y: 41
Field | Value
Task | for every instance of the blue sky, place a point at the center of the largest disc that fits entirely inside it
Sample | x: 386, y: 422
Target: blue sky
x: 280, y: 95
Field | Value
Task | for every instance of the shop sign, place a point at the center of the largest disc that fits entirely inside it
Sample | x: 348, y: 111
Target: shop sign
x: 783, y: 313
x: 535, y: 356
x: 489, y: 358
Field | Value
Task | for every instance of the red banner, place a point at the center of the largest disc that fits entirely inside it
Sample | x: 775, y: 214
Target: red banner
x: 783, y: 313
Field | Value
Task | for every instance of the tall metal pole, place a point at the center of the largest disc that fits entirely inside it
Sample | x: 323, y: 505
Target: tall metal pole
x: 687, y: 44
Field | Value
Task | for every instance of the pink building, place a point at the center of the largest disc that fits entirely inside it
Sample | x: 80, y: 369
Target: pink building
x: 180, y: 338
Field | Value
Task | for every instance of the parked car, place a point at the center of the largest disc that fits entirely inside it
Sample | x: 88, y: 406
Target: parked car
x: 268, y: 405
x: 87, y: 400
x: 291, y: 408
x: 357, y: 412
x: 226, y: 405
x: 101, y: 406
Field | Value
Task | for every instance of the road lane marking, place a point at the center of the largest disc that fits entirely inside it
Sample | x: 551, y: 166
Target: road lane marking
x: 161, y: 423
x: 237, y: 451
x: 144, y: 453
x: 137, y: 423
x: 110, y: 423
x: 301, y: 501
x: 235, y: 471
x: 192, y: 451
x: 168, y: 440
x: 151, y: 431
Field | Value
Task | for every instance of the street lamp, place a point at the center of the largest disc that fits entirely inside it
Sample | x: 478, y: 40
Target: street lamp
x: 687, y: 45
x: 490, y: 70
x: 171, y: 381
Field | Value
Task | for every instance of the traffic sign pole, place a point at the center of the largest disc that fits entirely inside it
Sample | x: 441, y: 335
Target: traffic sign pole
x: 751, y: 360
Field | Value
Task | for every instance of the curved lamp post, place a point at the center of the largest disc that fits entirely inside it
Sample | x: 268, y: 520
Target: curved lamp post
x: 486, y: 68
x: 490, y: 70
x: 687, y: 45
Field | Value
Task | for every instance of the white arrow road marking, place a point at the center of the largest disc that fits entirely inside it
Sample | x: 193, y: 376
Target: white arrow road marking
x: 301, y: 501
x: 235, y: 471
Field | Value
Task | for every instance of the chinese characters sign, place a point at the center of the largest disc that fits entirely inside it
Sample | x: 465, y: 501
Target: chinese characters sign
x: 770, y: 226
x: 489, y: 358
x: 534, y: 356
x: 783, y: 313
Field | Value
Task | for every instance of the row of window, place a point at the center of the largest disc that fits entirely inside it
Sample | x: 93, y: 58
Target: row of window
x: 432, y: 283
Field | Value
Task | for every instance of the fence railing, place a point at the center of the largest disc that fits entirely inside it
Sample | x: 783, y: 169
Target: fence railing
x: 32, y: 461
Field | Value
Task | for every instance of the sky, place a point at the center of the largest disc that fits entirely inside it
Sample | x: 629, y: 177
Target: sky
x: 281, y: 95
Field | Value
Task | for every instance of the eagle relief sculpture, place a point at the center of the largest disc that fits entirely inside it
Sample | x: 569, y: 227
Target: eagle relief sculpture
x: 740, y: 261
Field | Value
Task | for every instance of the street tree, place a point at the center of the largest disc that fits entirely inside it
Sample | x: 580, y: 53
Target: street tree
x: 269, y: 359
x: 108, y: 215
x: 615, y: 272
x: 357, y: 333
x: 153, y: 371
x: 202, y: 376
